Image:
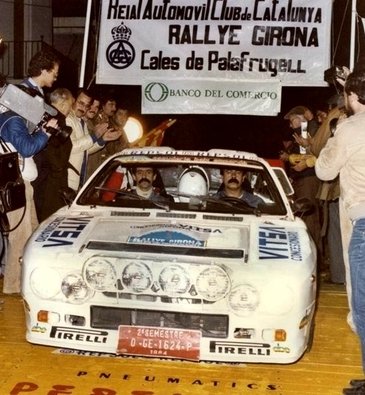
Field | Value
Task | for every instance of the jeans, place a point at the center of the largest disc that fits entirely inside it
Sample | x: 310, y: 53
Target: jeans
x: 334, y: 242
x: 357, y: 272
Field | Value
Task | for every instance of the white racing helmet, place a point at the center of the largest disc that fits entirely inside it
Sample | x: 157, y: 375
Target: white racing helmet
x: 193, y: 181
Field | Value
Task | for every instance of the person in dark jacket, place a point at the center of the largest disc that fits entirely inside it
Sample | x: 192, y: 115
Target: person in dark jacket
x: 57, y: 155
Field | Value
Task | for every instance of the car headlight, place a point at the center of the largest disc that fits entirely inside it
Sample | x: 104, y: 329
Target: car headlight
x: 75, y: 288
x: 244, y: 299
x: 137, y: 277
x: 213, y: 283
x: 174, y: 280
x: 99, y: 274
x: 277, y: 298
x: 45, y: 282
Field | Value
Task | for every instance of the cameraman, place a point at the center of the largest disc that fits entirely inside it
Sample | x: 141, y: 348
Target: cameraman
x: 43, y: 69
x: 14, y: 131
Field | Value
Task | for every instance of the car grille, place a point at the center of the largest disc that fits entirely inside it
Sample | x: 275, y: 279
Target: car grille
x: 211, y: 325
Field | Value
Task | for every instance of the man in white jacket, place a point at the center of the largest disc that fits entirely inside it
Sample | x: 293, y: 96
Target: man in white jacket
x: 83, y: 143
x: 344, y: 154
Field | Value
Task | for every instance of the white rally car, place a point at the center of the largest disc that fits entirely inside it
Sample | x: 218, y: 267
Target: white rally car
x: 184, y: 274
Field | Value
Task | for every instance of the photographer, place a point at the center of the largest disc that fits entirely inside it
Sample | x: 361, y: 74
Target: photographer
x: 14, y: 131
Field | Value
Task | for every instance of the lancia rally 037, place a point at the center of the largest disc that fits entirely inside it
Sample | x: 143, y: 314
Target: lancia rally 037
x: 188, y: 273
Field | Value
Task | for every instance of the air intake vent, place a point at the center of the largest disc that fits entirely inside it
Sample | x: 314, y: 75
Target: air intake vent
x: 129, y: 214
x: 223, y: 218
x: 176, y: 215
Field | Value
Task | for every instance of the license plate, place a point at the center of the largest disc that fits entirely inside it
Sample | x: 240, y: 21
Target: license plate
x: 159, y: 342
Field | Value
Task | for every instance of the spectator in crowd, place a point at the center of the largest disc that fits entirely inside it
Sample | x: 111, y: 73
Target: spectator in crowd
x: 91, y: 113
x: 57, y: 155
x: 321, y: 114
x: 108, y: 108
x: 83, y: 143
x: 344, y: 155
x: 117, y: 122
x: 43, y: 71
x: 329, y: 194
x: 234, y: 187
x: 305, y: 182
x: 91, y: 119
x: 14, y: 131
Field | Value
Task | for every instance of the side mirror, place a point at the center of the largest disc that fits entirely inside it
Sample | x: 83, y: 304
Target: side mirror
x: 302, y: 206
x: 68, y: 195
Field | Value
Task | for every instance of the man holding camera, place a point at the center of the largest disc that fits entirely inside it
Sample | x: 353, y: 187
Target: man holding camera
x: 43, y: 71
x: 15, y: 133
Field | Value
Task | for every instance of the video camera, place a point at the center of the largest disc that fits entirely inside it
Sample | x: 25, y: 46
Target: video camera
x: 27, y: 103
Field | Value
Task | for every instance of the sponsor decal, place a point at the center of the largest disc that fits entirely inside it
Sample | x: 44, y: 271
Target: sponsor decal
x: 167, y: 238
x: 279, y: 243
x: 226, y: 347
x: 62, y: 231
x: 167, y: 234
x: 38, y: 329
x: 77, y: 335
x: 279, y: 348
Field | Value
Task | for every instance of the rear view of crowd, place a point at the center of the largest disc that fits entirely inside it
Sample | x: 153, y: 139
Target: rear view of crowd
x: 56, y: 156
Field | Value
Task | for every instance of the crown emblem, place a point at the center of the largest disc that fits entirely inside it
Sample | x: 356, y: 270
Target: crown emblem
x: 121, y: 32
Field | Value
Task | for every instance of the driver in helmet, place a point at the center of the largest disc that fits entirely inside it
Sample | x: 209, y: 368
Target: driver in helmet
x: 233, y: 187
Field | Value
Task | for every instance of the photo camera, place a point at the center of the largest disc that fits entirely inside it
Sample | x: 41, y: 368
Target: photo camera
x: 334, y: 72
x: 27, y: 103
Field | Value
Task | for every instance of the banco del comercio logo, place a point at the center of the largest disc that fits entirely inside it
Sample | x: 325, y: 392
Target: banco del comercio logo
x: 156, y: 92
x: 120, y: 53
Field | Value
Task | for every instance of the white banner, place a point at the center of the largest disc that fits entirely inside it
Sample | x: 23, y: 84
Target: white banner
x: 237, y: 40
x: 211, y: 96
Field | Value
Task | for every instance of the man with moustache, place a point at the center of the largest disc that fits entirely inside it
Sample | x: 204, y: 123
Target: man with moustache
x: 83, y: 143
x: 144, y: 177
x: 233, y: 187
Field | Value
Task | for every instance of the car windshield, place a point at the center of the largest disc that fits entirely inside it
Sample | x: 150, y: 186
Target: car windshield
x: 184, y: 184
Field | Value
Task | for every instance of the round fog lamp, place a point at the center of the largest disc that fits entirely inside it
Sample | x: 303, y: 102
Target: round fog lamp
x: 75, y: 289
x: 45, y: 282
x: 174, y: 280
x: 99, y: 274
x: 213, y: 283
x: 244, y: 299
x: 137, y: 277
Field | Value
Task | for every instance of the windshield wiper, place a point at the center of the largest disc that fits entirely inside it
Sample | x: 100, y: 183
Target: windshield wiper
x: 200, y: 202
x: 132, y: 195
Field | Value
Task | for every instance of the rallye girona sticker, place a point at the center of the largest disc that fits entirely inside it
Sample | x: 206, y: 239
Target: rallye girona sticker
x: 171, y: 235
x: 279, y: 243
x: 63, y: 231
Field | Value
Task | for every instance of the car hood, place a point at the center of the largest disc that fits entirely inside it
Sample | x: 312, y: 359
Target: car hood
x: 216, y: 237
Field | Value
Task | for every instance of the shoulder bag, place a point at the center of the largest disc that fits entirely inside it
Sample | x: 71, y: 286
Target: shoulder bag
x: 12, y: 188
